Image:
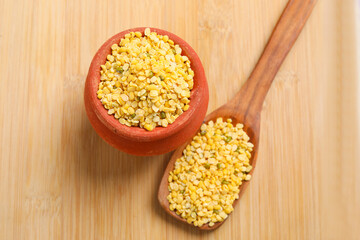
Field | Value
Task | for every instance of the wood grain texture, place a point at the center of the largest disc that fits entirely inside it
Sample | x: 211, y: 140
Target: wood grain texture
x: 59, y: 180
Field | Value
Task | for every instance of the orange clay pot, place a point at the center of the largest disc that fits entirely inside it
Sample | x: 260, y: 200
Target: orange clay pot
x: 135, y: 140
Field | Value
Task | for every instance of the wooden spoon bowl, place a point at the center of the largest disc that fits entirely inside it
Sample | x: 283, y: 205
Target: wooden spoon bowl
x: 246, y: 106
x: 163, y: 189
x: 136, y: 140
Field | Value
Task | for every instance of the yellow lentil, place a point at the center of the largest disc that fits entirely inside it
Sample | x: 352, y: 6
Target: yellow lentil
x: 144, y: 78
x: 206, y: 178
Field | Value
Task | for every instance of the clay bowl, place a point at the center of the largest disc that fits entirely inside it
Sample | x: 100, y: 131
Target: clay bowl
x: 135, y: 140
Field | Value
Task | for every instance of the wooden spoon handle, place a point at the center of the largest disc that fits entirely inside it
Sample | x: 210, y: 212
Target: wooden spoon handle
x: 250, y: 98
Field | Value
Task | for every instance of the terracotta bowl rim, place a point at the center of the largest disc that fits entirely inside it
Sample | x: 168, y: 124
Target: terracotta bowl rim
x: 140, y: 134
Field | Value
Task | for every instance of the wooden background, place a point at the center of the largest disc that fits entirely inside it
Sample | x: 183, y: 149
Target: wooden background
x: 59, y: 180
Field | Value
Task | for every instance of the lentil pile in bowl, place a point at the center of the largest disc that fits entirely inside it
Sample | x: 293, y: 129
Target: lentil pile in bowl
x: 138, y: 140
x: 146, y: 82
x: 205, y: 180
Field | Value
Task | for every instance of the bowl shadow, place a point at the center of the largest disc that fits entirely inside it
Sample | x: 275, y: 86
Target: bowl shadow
x: 85, y: 154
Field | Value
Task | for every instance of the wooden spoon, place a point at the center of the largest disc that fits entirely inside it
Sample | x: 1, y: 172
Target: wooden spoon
x: 246, y: 106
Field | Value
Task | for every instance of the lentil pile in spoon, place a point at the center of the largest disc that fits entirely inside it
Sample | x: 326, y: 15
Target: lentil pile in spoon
x: 206, y: 179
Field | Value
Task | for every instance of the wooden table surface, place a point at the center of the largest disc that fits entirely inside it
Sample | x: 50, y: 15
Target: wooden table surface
x: 59, y: 180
